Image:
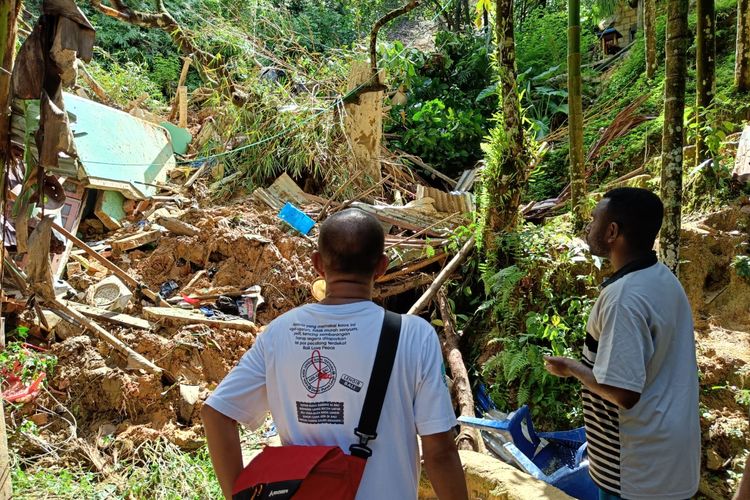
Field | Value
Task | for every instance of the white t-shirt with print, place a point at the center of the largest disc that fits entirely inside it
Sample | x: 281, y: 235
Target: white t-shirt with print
x: 311, y: 369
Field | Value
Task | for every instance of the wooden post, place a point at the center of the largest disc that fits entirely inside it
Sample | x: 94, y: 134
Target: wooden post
x: 181, y: 83
x: 182, y: 98
x: 456, y: 261
x: 363, y: 124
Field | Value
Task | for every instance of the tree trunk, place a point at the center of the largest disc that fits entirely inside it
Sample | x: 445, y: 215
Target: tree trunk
x: 649, y: 31
x: 505, y: 175
x: 639, y: 17
x: 705, y: 69
x: 468, y: 439
x: 575, y: 115
x: 678, y: 39
x: 8, y: 30
x: 742, y: 55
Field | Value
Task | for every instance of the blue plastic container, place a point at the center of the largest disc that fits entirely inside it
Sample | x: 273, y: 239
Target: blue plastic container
x: 558, y: 458
x: 296, y: 218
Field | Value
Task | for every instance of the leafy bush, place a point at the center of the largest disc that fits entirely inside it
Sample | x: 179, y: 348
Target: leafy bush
x: 542, y: 43
x: 448, y: 108
x: 539, y: 299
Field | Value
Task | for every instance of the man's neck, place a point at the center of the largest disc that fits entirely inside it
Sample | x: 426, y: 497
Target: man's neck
x: 619, y: 261
x: 346, y: 292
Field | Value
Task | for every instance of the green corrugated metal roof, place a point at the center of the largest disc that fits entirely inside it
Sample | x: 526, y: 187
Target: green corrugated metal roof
x: 116, y: 151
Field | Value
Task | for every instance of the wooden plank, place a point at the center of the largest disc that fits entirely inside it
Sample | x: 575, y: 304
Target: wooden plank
x: 155, y: 298
x: 401, y: 217
x: 404, y: 270
x: 182, y: 97
x: 136, y: 240
x: 177, y: 226
x: 185, y: 317
x: 135, y: 360
x: 113, y: 317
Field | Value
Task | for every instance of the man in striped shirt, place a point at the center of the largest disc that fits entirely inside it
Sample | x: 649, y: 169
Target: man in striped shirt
x: 638, y: 370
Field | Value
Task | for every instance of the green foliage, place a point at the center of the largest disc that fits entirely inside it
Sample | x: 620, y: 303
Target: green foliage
x: 126, y: 82
x: 447, y: 109
x: 741, y: 266
x: 542, y: 43
x: 538, y: 302
x: 161, y: 471
x: 26, y: 362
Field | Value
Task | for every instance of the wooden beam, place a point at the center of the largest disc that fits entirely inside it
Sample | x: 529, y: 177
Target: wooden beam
x: 135, y: 360
x: 443, y: 277
x: 135, y: 240
x: 185, y: 317
x: 111, y: 316
x: 154, y: 297
x: 410, y: 268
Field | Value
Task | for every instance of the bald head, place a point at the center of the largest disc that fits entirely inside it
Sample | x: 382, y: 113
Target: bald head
x: 351, y: 242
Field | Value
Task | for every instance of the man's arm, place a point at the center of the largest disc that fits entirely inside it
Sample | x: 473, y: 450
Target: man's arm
x: 567, y: 367
x: 743, y: 492
x: 223, y: 438
x: 443, y: 466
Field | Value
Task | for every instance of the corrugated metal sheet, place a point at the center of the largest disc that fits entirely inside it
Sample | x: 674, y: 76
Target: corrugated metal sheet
x: 117, y: 151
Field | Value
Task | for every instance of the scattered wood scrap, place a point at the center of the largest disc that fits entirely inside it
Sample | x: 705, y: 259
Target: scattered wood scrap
x: 135, y: 360
x: 185, y: 317
x: 136, y: 240
x: 177, y: 226
x: 111, y: 316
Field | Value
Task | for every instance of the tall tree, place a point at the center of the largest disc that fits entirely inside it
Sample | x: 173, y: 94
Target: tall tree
x: 8, y: 30
x: 575, y: 115
x: 649, y: 31
x: 678, y: 40
x: 742, y: 55
x: 705, y: 69
x: 507, y: 158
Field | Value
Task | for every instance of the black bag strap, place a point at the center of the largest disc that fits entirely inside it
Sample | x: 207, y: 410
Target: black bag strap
x: 378, y: 385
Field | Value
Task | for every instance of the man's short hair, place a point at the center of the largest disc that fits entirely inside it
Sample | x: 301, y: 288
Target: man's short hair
x: 638, y: 214
x: 351, y: 242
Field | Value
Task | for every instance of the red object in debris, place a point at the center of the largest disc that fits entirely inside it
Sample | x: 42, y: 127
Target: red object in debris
x: 17, y: 392
x: 190, y: 300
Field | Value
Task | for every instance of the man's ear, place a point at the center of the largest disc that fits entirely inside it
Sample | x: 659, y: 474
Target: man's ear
x: 382, y: 266
x: 613, y: 231
x: 317, y: 261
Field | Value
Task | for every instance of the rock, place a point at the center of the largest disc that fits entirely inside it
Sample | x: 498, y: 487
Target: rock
x: 189, y: 395
x: 713, y: 460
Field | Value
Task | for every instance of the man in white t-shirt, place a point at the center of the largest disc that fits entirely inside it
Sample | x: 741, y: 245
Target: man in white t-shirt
x: 638, y: 369
x: 311, y: 369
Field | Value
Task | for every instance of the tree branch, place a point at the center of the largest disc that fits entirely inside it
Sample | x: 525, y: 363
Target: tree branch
x: 164, y: 21
x: 382, y: 22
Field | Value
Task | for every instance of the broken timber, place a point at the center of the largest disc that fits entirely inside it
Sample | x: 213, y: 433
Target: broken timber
x: 155, y: 298
x: 135, y: 360
x: 111, y: 316
x: 177, y: 227
x: 184, y: 317
x: 443, y: 276
x: 135, y: 240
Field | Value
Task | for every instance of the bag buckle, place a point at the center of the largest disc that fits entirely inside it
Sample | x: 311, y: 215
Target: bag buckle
x: 361, y: 449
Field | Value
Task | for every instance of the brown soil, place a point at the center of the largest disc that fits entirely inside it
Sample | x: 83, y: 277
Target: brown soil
x: 243, y: 244
x: 720, y: 300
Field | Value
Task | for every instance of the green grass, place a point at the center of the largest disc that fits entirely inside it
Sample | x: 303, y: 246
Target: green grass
x: 161, y: 471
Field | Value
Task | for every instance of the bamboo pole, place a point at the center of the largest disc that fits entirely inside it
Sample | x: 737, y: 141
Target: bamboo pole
x: 456, y: 261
